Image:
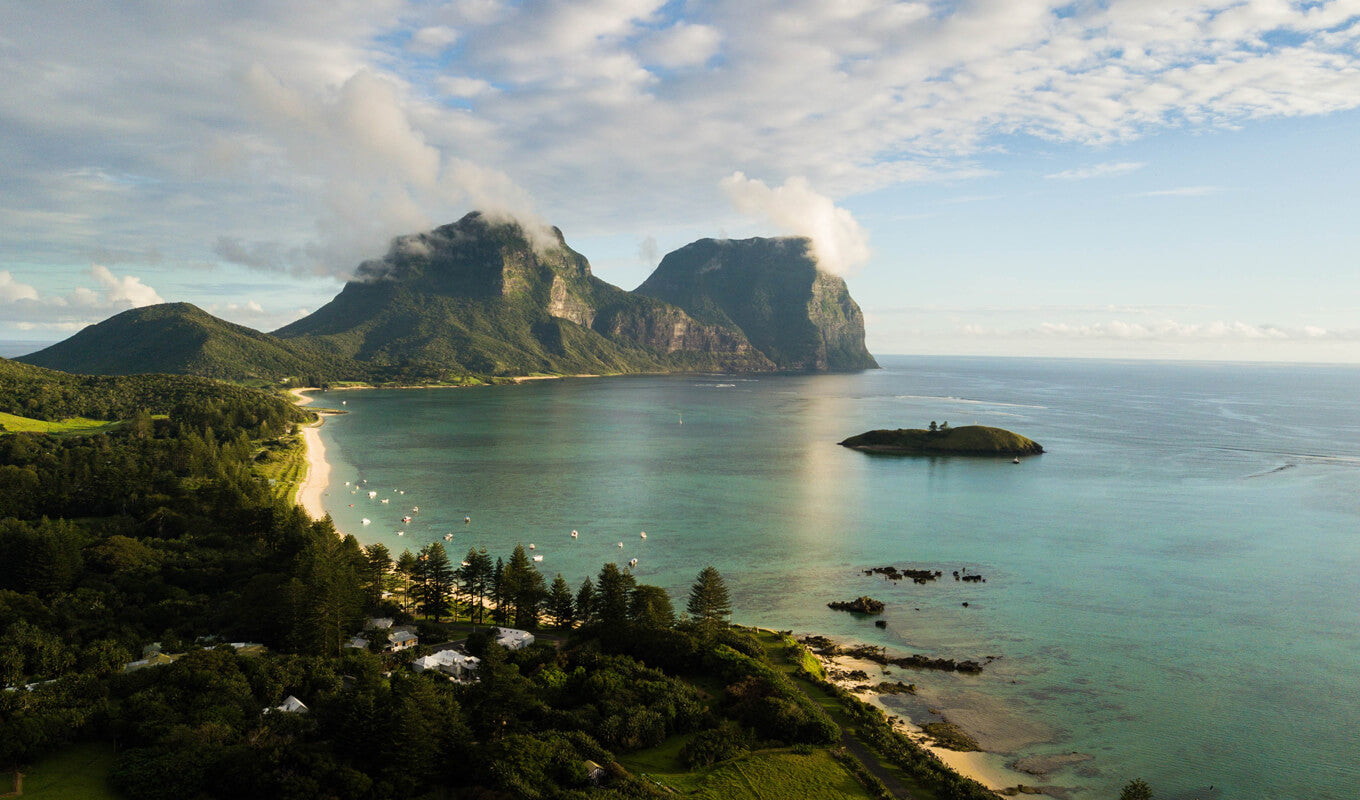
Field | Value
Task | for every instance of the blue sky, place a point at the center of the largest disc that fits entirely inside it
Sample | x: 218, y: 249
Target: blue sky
x: 1140, y: 179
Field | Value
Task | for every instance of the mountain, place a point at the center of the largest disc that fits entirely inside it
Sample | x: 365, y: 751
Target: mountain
x: 798, y: 316
x: 180, y: 338
x: 479, y: 296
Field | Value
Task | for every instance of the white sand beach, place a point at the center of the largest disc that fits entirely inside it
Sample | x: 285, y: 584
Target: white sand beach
x: 318, y: 477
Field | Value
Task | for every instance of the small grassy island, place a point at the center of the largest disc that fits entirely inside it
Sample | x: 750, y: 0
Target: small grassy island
x: 969, y: 440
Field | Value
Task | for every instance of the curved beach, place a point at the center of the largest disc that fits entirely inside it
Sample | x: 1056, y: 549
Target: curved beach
x: 318, y: 476
x: 989, y: 769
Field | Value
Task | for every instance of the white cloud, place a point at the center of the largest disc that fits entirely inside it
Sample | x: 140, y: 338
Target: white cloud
x: 433, y: 40
x: 461, y: 86
x: 127, y: 291
x: 1107, y: 170
x: 838, y: 242
x: 28, y: 309
x: 12, y: 291
x: 682, y: 45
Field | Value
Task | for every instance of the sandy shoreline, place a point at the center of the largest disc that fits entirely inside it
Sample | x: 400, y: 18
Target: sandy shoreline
x: 992, y: 770
x: 318, y: 477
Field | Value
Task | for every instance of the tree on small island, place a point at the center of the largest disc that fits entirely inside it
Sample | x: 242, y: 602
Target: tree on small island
x: 934, y: 426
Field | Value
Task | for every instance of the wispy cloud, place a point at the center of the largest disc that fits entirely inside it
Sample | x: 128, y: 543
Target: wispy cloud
x: 1107, y: 170
x: 1168, y: 331
x: 1181, y: 191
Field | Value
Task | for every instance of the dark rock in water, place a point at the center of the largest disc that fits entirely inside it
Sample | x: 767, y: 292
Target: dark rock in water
x: 896, y: 687
x: 860, y: 605
x: 882, y: 623
x: 974, y: 579
x: 894, y: 574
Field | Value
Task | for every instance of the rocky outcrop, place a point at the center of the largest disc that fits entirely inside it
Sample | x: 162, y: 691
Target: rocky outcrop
x: 798, y: 316
x: 860, y: 605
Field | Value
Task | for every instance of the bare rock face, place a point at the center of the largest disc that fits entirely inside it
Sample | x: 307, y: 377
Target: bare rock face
x: 801, y: 318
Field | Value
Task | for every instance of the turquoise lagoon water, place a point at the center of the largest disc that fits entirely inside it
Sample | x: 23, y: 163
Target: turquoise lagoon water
x: 1173, y: 589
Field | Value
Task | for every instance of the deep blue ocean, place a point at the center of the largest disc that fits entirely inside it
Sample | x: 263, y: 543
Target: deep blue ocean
x: 1173, y: 588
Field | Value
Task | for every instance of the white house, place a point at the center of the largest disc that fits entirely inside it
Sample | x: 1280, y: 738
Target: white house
x: 456, y: 665
x: 401, y: 639
x: 380, y: 623
x: 512, y: 639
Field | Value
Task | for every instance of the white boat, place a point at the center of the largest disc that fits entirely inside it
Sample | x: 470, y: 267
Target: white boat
x: 644, y: 534
x: 620, y: 544
x: 385, y: 500
x: 372, y: 495
x: 1016, y: 460
x: 347, y: 483
x: 531, y: 546
x: 574, y: 534
x: 538, y: 558
x: 342, y: 402
x: 367, y: 521
x: 632, y: 563
x: 401, y: 533
x: 467, y: 520
x: 415, y: 509
x: 448, y: 537
x: 406, y: 518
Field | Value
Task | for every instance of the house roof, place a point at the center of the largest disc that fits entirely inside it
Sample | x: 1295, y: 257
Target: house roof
x: 512, y: 636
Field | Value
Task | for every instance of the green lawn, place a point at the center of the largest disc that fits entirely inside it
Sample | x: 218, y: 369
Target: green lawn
x: 283, y: 461
x: 76, y: 773
x: 75, y: 426
x: 762, y: 775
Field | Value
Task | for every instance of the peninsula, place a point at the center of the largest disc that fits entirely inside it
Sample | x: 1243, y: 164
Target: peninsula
x: 967, y: 440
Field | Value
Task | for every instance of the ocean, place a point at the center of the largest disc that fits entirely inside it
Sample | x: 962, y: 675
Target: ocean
x: 1172, y: 589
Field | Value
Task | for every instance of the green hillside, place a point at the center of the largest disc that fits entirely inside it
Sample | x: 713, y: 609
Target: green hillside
x: 180, y: 338
x: 975, y: 440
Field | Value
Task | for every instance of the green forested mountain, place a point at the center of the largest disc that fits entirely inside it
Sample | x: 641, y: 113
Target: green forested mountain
x: 798, y: 316
x: 180, y: 338
x: 479, y: 297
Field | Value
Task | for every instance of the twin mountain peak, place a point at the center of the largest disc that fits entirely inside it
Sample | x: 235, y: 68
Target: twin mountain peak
x: 478, y: 297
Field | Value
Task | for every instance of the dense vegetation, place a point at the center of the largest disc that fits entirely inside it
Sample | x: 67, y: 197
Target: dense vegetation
x: 182, y: 339
x: 161, y: 530
x: 968, y: 440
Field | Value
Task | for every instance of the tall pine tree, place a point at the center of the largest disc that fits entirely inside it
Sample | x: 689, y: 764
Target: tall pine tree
x: 708, y: 599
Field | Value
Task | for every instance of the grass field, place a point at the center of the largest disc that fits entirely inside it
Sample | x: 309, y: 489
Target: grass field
x: 283, y: 461
x: 762, y: 775
x: 76, y: 773
x: 777, y: 647
x: 75, y: 426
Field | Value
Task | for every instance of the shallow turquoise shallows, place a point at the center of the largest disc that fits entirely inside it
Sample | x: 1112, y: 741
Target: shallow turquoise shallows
x: 1174, y: 588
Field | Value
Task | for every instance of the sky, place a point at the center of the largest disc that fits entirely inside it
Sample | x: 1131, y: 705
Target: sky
x: 1116, y: 179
